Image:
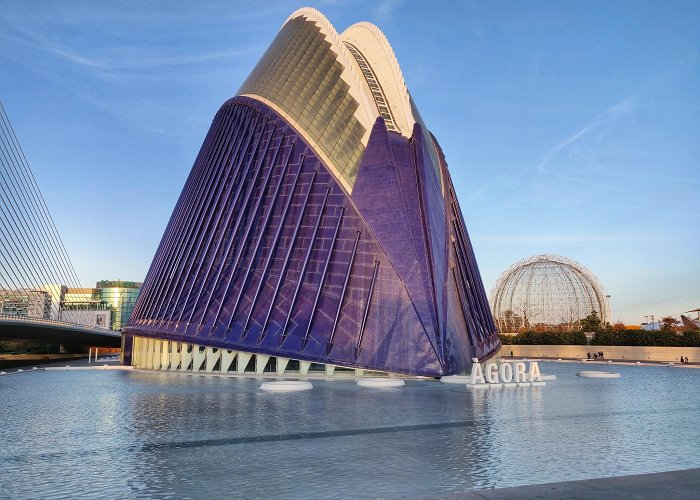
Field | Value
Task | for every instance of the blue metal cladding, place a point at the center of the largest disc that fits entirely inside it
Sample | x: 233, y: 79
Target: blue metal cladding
x: 266, y: 253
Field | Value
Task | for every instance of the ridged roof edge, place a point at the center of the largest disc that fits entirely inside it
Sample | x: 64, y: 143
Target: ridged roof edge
x: 393, y: 68
x: 353, y: 77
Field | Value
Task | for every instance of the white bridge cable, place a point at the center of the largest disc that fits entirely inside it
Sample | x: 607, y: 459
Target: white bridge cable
x: 33, y: 258
x: 20, y: 222
x: 16, y: 225
x: 44, y: 224
x: 38, y: 199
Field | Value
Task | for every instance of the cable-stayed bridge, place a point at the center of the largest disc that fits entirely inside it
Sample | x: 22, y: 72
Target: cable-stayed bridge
x: 36, y: 274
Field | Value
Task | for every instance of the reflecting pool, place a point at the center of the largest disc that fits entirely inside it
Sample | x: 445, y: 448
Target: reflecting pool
x: 120, y: 434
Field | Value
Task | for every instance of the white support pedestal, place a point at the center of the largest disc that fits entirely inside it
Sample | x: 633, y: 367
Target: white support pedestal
x: 260, y: 362
x: 165, y: 355
x: 198, y: 358
x: 282, y: 365
x: 243, y: 358
x: 174, y: 355
x: 227, y: 358
x: 185, y: 357
x: 149, y: 354
x: 213, y: 355
x: 157, y: 353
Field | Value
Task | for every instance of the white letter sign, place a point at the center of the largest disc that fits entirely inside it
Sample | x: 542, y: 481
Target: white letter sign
x: 506, y: 372
x: 477, y: 374
x: 492, y: 373
x: 534, y: 374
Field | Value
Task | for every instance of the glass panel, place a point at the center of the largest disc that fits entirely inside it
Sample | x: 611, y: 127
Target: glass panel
x: 300, y: 73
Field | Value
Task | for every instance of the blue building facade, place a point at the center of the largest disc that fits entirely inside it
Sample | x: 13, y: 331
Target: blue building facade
x: 319, y: 225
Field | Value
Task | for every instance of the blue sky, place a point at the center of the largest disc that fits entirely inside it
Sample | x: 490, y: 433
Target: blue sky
x: 569, y: 127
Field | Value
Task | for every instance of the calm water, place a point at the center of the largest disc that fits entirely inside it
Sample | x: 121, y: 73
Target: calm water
x: 120, y: 434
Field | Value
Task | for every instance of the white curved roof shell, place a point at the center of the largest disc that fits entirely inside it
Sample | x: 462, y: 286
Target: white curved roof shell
x: 373, y: 45
x: 310, y: 65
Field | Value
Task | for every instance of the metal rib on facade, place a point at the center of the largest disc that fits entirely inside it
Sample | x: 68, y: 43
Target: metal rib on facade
x: 266, y: 253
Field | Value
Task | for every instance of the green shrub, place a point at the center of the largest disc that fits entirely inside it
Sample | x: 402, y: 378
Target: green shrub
x: 657, y: 338
x: 606, y: 337
x: 544, y: 338
x: 506, y: 339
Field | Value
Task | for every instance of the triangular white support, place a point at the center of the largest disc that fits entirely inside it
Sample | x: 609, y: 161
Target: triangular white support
x: 175, y: 355
x: 185, y: 357
x: 213, y: 354
x: 260, y: 362
x: 227, y: 358
x: 165, y: 355
x: 304, y: 367
x: 149, y: 354
x: 138, y: 350
x: 198, y: 358
x: 157, y: 346
x: 282, y: 365
x: 142, y: 353
x: 243, y: 358
x: 329, y: 370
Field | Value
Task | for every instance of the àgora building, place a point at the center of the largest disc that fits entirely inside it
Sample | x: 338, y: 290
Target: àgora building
x: 318, y: 226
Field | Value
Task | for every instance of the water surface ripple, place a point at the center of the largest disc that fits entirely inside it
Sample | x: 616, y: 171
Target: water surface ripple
x: 109, y: 434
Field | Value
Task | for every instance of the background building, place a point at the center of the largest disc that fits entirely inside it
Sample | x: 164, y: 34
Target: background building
x: 108, y: 305
x: 25, y: 303
x: 83, y: 306
x: 119, y: 297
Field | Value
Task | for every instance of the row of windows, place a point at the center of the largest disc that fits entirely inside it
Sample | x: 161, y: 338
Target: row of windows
x: 300, y: 74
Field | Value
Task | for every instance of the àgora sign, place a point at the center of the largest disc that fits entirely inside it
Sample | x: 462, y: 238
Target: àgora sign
x: 505, y: 373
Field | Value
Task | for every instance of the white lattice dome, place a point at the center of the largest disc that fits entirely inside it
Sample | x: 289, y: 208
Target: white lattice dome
x: 546, y: 292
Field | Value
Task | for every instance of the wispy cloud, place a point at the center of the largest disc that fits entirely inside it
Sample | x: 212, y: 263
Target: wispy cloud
x: 386, y: 8
x: 120, y: 58
x: 612, y: 113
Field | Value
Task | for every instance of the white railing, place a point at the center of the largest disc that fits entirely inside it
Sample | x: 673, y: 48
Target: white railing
x: 30, y: 319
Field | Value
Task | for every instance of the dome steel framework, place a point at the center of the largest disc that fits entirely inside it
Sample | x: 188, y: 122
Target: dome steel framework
x: 547, y: 292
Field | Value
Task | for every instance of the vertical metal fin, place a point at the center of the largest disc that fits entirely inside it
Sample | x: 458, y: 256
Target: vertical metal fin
x: 275, y: 239
x: 193, y: 240
x: 329, y: 345
x: 358, y: 347
x: 212, y: 230
x: 261, y: 237
x: 305, y: 340
x: 300, y: 281
x: 233, y: 235
x: 289, y: 254
x: 186, y: 222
